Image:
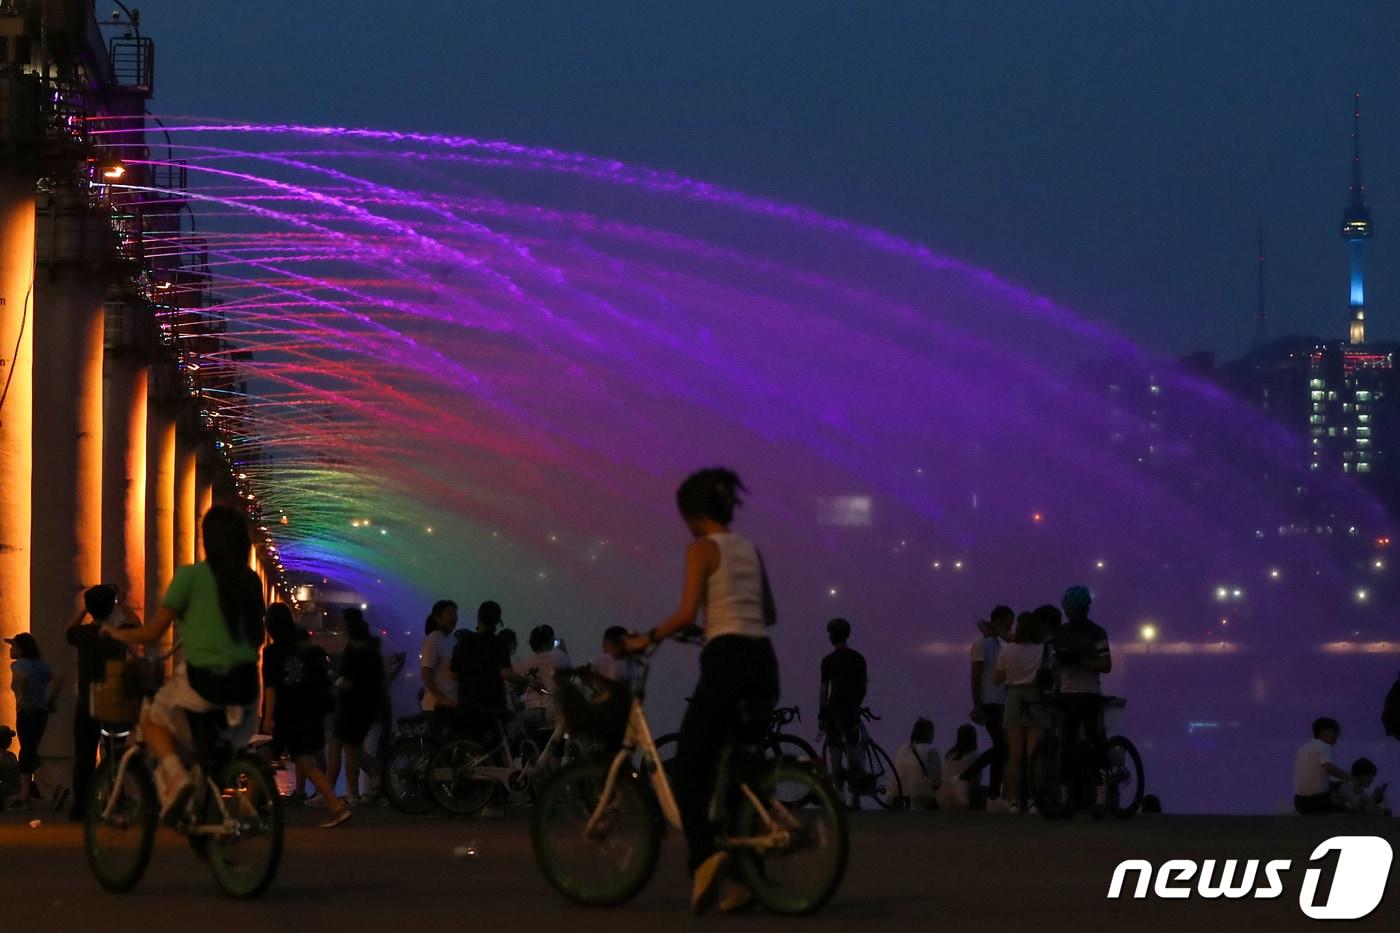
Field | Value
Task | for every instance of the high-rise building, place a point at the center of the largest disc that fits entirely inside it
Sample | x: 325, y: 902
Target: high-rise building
x: 1342, y: 395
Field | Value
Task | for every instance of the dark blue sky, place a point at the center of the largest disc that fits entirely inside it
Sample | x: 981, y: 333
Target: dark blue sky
x: 1115, y: 156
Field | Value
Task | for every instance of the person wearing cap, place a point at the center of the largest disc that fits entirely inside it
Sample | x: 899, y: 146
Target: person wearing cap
x: 101, y: 605
x: 1082, y: 655
x: 35, y: 688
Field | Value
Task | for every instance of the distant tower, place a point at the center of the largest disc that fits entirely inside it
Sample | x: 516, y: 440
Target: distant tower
x: 1356, y: 230
x: 1261, y: 312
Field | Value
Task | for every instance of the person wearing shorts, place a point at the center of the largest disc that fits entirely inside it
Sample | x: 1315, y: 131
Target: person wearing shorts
x: 1027, y: 713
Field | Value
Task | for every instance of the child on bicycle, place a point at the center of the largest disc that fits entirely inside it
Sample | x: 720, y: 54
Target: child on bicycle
x: 216, y: 607
x: 725, y: 581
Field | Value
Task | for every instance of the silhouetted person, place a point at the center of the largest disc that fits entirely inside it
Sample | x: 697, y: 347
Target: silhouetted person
x: 1314, y: 773
x: 845, y: 679
x: 989, y: 697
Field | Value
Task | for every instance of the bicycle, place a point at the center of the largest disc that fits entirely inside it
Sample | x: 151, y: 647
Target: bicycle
x: 464, y: 775
x: 404, y: 777
x: 1120, y: 771
x: 597, y: 825
x: 869, y: 770
x: 778, y: 744
x: 233, y: 819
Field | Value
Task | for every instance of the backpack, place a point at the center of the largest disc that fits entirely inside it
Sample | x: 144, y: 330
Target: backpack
x: 1390, y: 713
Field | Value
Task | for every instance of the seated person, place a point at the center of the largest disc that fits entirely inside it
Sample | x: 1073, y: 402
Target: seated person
x: 959, y: 769
x: 1314, y: 772
x: 9, y: 767
x: 1356, y: 796
x: 920, y: 772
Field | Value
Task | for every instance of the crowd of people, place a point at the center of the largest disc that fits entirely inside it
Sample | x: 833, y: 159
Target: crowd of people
x: 253, y: 660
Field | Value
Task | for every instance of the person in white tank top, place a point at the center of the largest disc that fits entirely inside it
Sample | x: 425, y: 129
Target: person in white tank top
x: 726, y: 584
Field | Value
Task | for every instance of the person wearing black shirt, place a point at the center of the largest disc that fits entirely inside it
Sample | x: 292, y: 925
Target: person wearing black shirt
x: 481, y: 666
x: 360, y: 692
x: 844, y: 681
x: 94, y: 651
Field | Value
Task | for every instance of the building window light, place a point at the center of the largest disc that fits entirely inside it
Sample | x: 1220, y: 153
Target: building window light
x: 1317, y: 396
x: 1363, y: 395
x: 1363, y: 468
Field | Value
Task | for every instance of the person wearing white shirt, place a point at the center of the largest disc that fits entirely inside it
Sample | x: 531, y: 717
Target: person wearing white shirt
x: 918, y: 768
x: 435, y: 657
x: 615, y: 663
x: 539, y: 669
x: 956, y: 791
x: 989, y: 697
x: 1314, y: 771
x: 1027, y: 715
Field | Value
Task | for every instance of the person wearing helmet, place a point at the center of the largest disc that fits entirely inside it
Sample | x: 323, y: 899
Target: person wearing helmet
x: 1082, y: 655
x: 844, y: 681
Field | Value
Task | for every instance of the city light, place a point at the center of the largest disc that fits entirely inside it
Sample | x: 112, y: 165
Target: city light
x: 112, y: 171
x: 1148, y: 632
x: 1274, y: 574
x: 1362, y: 595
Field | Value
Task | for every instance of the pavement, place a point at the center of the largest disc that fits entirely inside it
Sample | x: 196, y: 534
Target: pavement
x: 908, y: 872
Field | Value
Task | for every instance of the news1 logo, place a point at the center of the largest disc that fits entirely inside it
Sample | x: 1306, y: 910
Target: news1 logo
x: 1345, y: 878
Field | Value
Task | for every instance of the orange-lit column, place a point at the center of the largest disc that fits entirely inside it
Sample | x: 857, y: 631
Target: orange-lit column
x: 71, y: 244
x: 160, y: 500
x: 16, y: 410
x: 184, y: 504
x: 124, y: 460
x: 203, y: 499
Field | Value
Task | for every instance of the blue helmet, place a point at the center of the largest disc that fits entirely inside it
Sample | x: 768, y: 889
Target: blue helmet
x: 1076, y: 600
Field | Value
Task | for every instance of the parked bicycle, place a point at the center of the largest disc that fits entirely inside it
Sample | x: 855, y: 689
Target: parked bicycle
x: 1120, y: 771
x: 233, y: 819
x: 598, y: 823
x: 464, y: 775
x: 866, y: 769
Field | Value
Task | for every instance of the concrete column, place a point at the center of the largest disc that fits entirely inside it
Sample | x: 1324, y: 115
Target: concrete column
x: 69, y: 319
x: 16, y: 411
x: 203, y: 499
x: 160, y: 500
x: 184, y: 496
x: 124, y: 469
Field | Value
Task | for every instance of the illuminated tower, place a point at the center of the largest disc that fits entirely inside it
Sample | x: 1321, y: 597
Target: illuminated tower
x: 1356, y: 229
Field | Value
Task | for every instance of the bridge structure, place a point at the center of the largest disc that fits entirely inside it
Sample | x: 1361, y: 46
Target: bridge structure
x: 121, y: 401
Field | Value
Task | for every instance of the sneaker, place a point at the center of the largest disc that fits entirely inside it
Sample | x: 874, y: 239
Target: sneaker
x: 1013, y: 808
x: 1030, y: 808
x: 737, y: 898
x: 60, y: 797
x: 174, y: 787
x: 317, y: 800
x: 338, y: 817
x: 706, y: 886
x: 999, y: 805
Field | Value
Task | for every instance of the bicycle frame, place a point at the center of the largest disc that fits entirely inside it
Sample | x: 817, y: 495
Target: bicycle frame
x: 136, y: 745
x: 639, y: 739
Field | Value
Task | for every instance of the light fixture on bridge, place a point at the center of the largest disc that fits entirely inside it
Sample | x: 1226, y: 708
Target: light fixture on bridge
x: 113, y: 170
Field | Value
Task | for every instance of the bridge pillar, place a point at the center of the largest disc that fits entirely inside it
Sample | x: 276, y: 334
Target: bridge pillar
x: 124, y: 456
x: 160, y: 497
x: 69, y: 323
x: 184, y: 499
x: 16, y: 407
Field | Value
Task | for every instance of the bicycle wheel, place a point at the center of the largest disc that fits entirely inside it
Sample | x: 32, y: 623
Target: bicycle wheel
x: 610, y: 864
x: 245, y: 856
x: 666, y: 751
x: 1045, y: 788
x: 453, y: 778
x: 797, y: 750
x: 118, y: 843
x: 803, y: 873
x: 405, y: 779
x: 880, y: 782
x: 1124, y: 779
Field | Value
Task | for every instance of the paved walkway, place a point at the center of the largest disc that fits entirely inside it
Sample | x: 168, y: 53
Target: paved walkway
x: 909, y: 872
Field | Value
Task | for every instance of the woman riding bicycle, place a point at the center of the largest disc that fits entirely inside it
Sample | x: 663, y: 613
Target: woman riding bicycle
x: 216, y: 607
x: 724, y: 580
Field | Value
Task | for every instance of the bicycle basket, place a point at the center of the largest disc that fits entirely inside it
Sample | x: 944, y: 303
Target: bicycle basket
x: 598, y: 708
x: 117, y: 697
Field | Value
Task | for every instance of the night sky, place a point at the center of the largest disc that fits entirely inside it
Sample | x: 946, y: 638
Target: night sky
x: 1117, y: 157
